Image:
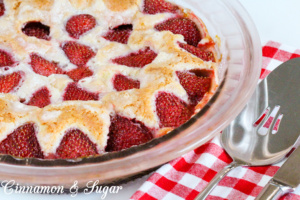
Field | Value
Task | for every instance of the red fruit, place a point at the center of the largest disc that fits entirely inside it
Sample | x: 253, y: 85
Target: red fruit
x: 203, y: 54
x: 5, y: 59
x: 137, y: 59
x: 182, y: 26
x: 40, y: 98
x: 22, y: 143
x: 125, y: 133
x: 2, y: 9
x: 73, y: 93
x: 195, y: 85
x: 37, y: 29
x: 44, y: 67
x: 10, y: 81
x: 171, y: 110
x: 122, y: 82
x: 159, y: 6
x: 80, y: 24
x: 75, y: 144
x: 78, y: 54
x: 80, y: 73
x: 119, y: 34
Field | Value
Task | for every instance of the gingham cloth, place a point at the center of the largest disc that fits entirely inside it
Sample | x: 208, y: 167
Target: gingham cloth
x: 184, y: 177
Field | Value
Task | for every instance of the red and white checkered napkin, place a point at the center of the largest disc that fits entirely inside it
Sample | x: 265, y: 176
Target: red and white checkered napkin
x: 186, y: 176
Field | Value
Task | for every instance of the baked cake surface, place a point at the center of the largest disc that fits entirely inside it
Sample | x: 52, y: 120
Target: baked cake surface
x: 84, y: 77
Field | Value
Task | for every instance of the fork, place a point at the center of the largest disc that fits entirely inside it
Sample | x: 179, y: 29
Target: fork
x: 257, y: 136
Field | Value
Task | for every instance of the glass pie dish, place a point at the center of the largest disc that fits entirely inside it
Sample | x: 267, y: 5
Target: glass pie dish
x: 239, y: 45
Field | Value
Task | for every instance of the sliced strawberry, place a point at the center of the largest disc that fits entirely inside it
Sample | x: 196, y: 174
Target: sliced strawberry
x: 80, y: 24
x: 171, y: 110
x: 122, y: 82
x: 44, y: 67
x: 80, y: 73
x: 22, y: 142
x: 203, y: 54
x: 10, y: 81
x: 40, y: 98
x: 6, y: 59
x: 2, y: 8
x: 37, y: 29
x: 125, y: 133
x: 182, y: 26
x: 78, y: 54
x: 159, y: 6
x: 119, y: 34
x: 196, y: 86
x: 137, y: 59
x: 73, y: 93
x: 76, y: 144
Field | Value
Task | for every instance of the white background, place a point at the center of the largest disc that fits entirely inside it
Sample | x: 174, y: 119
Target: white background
x: 277, y: 20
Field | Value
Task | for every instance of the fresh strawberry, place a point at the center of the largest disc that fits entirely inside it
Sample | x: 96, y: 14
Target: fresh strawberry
x: 44, y: 67
x: 203, y: 54
x: 73, y: 93
x: 40, y: 98
x: 80, y: 73
x: 78, y: 54
x: 80, y: 24
x: 22, y: 142
x: 125, y: 133
x: 137, y: 59
x: 183, y: 26
x: 122, y: 82
x: 159, y: 6
x: 171, y: 110
x: 119, y: 34
x: 196, y: 86
x: 2, y: 8
x: 75, y: 144
x: 10, y: 81
x: 6, y: 59
x: 37, y: 29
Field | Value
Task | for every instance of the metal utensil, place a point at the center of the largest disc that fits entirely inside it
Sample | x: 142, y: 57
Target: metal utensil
x: 260, y: 135
x: 285, y: 180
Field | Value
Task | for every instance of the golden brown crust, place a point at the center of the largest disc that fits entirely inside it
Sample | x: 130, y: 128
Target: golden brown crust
x: 119, y: 5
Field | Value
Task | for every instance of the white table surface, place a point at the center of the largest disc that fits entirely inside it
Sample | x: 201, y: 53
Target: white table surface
x: 276, y: 20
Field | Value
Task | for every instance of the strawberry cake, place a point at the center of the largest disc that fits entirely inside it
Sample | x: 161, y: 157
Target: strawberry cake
x: 81, y: 78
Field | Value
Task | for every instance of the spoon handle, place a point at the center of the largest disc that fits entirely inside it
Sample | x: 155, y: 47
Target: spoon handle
x: 214, y: 182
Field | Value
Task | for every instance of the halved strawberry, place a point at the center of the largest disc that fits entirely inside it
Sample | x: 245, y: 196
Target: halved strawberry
x: 75, y: 144
x: 80, y: 24
x: 159, y: 6
x: 40, y: 98
x: 6, y: 59
x: 195, y: 85
x: 122, y: 82
x: 74, y: 92
x: 183, y: 26
x: 125, y: 133
x: 10, y: 81
x: 119, y: 34
x: 37, y: 29
x: 2, y: 9
x: 203, y: 54
x: 137, y: 59
x: 44, y: 67
x: 80, y: 73
x: 171, y: 110
x: 78, y: 54
x: 22, y: 142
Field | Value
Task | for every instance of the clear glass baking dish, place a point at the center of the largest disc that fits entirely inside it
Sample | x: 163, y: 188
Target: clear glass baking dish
x: 240, y: 68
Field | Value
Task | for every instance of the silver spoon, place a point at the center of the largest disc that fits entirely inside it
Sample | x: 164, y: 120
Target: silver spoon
x: 255, y: 137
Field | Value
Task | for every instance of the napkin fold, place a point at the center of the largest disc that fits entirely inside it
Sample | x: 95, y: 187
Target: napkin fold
x: 186, y: 176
